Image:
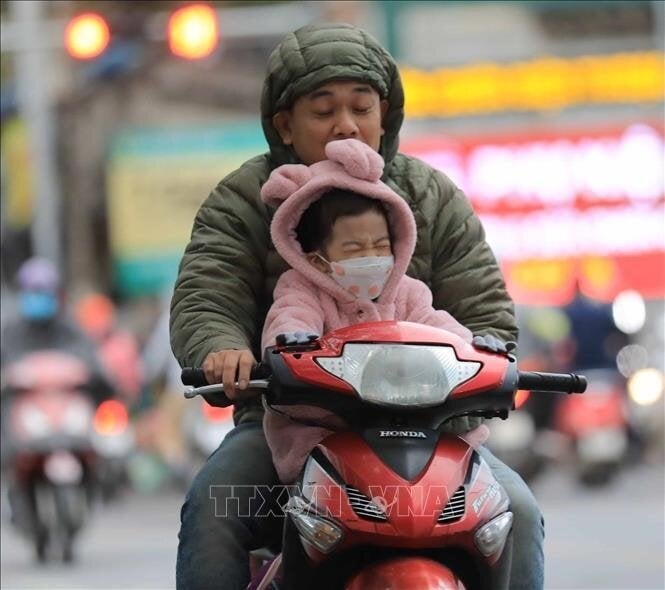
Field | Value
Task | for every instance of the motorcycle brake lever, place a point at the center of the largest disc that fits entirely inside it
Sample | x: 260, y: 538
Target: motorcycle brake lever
x: 191, y: 392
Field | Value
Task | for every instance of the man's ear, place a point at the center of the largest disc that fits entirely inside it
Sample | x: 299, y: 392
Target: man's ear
x: 384, y: 109
x: 281, y: 121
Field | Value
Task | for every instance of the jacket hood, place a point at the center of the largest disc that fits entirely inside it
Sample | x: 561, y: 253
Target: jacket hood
x: 353, y: 166
x: 317, y: 54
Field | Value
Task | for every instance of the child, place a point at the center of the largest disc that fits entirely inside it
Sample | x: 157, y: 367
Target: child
x: 349, y: 239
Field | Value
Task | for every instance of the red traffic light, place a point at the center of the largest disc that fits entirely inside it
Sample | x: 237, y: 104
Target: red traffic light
x: 193, y: 32
x: 87, y: 36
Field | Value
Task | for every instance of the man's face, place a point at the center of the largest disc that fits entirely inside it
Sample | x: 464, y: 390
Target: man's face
x: 337, y: 110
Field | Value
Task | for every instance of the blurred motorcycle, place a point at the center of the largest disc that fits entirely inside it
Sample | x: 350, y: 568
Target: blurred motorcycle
x: 597, y: 426
x: 592, y: 433
x: 59, y: 444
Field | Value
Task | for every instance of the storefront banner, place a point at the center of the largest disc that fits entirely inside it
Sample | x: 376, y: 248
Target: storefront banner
x: 584, y: 206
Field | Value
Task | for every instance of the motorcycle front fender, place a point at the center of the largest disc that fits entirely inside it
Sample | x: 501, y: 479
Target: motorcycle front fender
x: 405, y: 573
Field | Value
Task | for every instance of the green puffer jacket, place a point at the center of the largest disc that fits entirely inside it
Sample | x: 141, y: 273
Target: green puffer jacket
x: 230, y: 267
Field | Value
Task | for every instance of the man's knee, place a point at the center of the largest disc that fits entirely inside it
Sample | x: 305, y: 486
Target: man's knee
x: 526, y: 508
x: 237, y: 479
x: 523, y: 504
x: 522, y: 501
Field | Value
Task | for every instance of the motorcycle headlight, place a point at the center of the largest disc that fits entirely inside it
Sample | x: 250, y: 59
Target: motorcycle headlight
x: 400, y: 374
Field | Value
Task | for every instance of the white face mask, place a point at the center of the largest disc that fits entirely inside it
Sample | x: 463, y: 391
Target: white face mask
x: 362, y: 277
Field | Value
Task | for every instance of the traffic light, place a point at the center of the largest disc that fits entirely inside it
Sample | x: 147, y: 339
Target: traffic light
x: 87, y: 36
x: 193, y: 32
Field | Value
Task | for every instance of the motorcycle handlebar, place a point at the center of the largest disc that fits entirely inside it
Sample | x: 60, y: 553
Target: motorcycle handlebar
x: 555, y: 382
x: 196, y: 377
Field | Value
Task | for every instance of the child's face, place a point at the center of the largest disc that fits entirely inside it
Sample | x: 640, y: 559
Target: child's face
x: 355, y: 236
x: 337, y: 110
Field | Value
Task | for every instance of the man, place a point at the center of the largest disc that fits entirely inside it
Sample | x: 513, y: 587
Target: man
x: 324, y: 82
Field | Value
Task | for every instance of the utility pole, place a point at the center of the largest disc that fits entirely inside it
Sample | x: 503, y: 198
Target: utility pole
x: 33, y: 71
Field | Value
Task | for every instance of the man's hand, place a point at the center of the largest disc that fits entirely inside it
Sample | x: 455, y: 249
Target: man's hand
x: 227, y: 367
x: 493, y: 344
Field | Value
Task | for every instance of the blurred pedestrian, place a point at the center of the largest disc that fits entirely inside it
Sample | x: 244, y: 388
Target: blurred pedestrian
x: 595, y: 339
x: 324, y: 82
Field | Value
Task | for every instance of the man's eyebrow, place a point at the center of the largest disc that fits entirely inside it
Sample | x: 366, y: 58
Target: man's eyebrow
x: 362, y: 89
x: 319, y: 93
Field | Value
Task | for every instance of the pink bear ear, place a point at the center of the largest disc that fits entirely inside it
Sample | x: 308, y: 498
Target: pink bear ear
x: 359, y: 160
x: 283, y: 182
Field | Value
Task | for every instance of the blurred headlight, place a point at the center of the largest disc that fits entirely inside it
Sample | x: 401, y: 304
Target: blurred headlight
x: 491, y: 537
x: 34, y: 421
x: 646, y: 386
x: 629, y: 312
x: 324, y: 534
x: 77, y: 419
x: 399, y: 374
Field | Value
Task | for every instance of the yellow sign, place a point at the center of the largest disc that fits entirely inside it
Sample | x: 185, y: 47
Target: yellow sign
x: 156, y: 181
x: 546, y: 83
x: 18, y: 188
x: 154, y: 202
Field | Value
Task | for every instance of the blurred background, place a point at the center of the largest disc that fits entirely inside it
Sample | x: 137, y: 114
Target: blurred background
x: 119, y: 117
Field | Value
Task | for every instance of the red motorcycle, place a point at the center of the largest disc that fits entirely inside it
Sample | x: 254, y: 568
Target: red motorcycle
x: 391, y: 503
x: 57, y: 441
x: 597, y: 427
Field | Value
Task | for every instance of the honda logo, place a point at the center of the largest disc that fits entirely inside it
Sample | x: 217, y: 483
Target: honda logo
x: 402, y: 434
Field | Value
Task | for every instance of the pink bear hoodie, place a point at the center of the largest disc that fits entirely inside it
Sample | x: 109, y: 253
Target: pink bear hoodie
x: 306, y: 299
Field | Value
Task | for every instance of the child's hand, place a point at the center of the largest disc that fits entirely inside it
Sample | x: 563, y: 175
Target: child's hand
x: 296, y: 338
x: 493, y: 344
x: 227, y: 366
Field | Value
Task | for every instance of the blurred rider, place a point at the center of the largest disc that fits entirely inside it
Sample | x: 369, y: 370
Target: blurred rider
x: 42, y: 325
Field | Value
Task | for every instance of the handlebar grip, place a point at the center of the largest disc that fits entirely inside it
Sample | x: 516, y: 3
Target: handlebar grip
x: 193, y: 376
x: 260, y: 371
x: 556, y: 382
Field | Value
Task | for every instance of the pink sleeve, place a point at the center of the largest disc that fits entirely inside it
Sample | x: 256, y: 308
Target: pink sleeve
x: 295, y: 308
x: 419, y: 309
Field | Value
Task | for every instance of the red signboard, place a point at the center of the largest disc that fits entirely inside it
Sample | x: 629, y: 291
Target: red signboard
x: 561, y: 208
